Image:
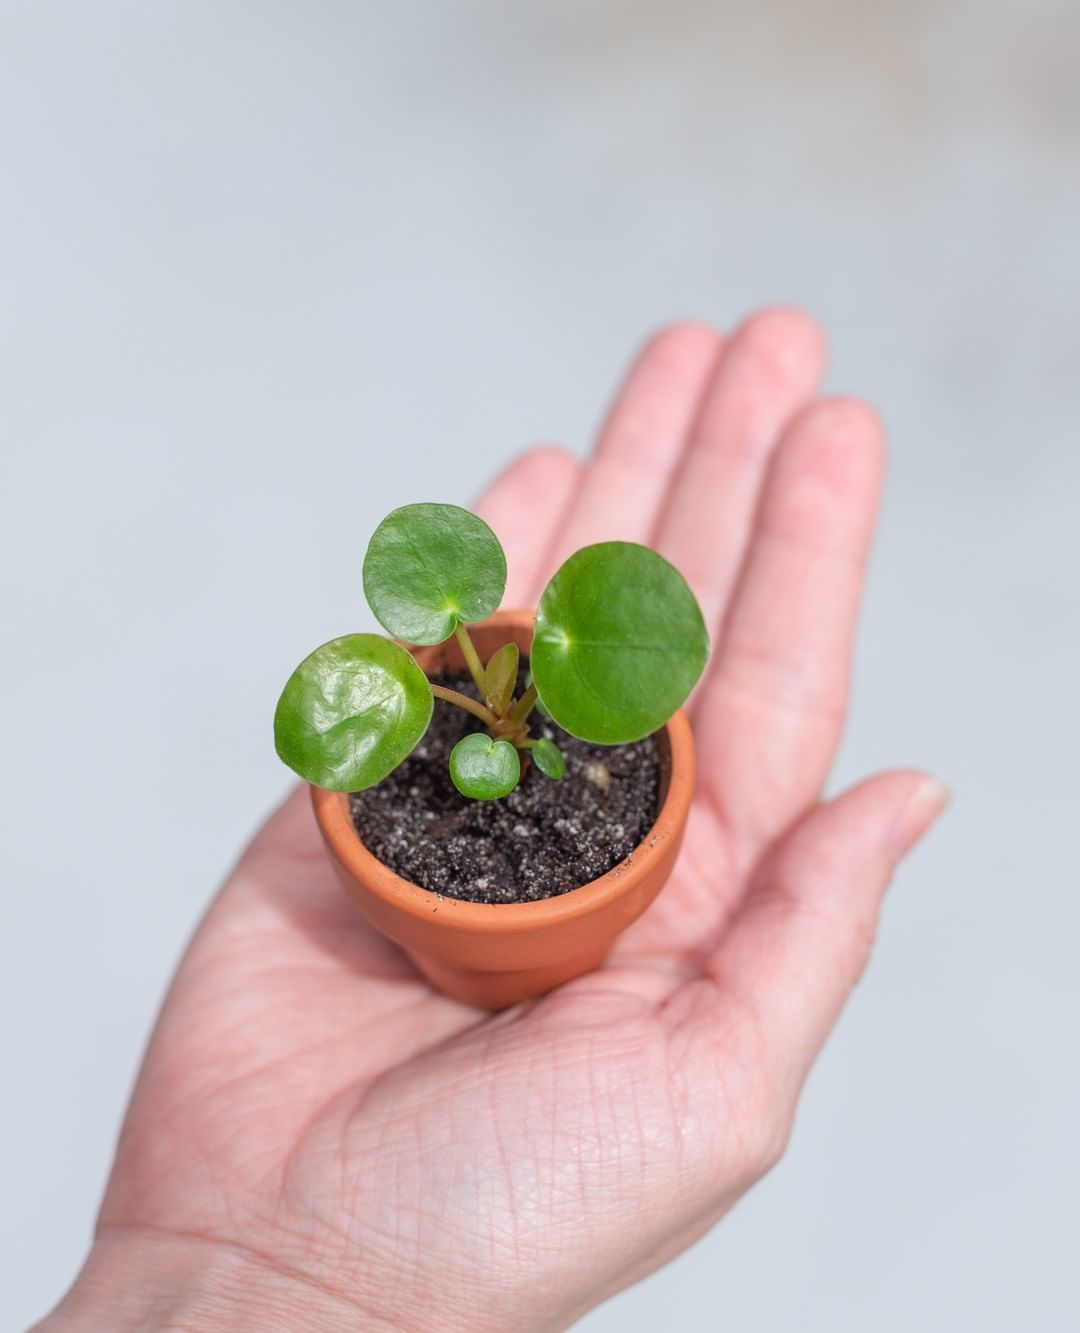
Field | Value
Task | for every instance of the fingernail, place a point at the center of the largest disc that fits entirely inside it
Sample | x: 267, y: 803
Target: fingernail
x: 924, y: 805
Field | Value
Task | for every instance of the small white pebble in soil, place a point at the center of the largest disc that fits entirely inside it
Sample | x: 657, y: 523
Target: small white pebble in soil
x: 597, y: 773
x: 481, y: 883
x: 522, y: 830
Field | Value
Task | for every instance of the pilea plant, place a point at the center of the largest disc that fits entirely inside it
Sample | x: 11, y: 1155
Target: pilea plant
x: 618, y: 644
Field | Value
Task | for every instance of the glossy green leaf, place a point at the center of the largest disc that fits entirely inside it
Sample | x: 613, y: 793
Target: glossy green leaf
x: 619, y: 643
x: 500, y: 676
x: 351, y: 712
x: 484, y: 768
x: 548, y: 758
x: 429, y: 567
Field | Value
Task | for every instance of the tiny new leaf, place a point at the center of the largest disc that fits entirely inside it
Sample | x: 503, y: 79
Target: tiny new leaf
x: 541, y: 707
x: 351, y: 712
x: 430, y: 567
x: 548, y: 758
x: 500, y: 676
x: 483, y: 768
x: 619, y: 643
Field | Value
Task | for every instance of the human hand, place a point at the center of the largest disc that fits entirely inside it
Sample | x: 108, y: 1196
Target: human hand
x: 318, y: 1141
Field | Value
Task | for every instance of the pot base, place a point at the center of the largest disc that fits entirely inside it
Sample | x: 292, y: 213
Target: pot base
x: 499, y: 990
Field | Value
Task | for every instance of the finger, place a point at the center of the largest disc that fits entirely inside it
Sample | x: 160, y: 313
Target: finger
x: 771, y: 367
x: 524, y: 506
x: 641, y: 442
x: 771, y: 711
x: 804, y: 933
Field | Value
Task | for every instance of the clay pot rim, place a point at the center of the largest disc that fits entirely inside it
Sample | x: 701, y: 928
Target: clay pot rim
x: 332, y: 813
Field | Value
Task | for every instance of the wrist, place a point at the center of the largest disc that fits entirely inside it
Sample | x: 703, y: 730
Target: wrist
x: 156, y: 1282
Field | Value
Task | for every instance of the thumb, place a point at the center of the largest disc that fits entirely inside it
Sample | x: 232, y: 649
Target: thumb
x: 804, y: 933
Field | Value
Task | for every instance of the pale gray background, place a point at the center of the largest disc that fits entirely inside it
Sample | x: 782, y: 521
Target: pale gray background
x: 267, y: 270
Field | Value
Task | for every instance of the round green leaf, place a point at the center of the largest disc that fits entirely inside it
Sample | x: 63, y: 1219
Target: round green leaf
x: 619, y: 643
x: 430, y: 566
x: 548, y: 758
x: 351, y: 712
x: 484, y: 768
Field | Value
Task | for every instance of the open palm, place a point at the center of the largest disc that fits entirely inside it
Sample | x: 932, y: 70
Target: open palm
x: 317, y: 1140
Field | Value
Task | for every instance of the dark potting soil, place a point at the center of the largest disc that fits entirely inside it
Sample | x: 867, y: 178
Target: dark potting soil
x: 545, y: 838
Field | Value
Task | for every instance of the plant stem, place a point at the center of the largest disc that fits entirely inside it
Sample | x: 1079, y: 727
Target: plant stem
x: 524, y: 706
x: 463, y: 701
x: 472, y: 658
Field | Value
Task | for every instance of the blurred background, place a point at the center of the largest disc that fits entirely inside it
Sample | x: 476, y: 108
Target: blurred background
x: 267, y: 270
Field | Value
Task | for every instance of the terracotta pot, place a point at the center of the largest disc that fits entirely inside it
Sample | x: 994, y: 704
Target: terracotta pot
x: 495, y: 954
